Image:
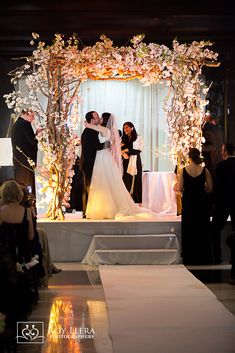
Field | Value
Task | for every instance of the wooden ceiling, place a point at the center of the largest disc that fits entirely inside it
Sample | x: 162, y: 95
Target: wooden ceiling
x: 161, y: 21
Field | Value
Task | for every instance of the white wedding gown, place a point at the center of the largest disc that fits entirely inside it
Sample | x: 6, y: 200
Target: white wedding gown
x: 108, y: 196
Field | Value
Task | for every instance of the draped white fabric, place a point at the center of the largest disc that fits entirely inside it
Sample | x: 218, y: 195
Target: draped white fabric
x: 158, y: 193
x: 143, y: 106
x: 129, y: 101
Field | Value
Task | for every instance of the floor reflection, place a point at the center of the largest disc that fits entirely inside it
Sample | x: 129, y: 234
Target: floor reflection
x: 74, y: 314
x: 65, y: 278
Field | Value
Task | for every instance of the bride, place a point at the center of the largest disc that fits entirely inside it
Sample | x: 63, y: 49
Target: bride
x: 108, y: 196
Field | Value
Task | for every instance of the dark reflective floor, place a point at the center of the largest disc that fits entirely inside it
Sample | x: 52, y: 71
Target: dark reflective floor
x: 73, y: 314
x: 212, y: 276
x: 216, y: 278
x: 66, y: 278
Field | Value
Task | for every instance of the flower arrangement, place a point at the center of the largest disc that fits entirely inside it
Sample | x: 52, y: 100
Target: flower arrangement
x: 57, y: 70
x: 186, y: 109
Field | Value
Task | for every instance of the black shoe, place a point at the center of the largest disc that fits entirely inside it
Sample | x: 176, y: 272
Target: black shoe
x: 55, y: 270
x: 83, y: 216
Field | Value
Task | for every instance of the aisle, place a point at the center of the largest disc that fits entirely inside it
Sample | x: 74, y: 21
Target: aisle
x: 164, y: 309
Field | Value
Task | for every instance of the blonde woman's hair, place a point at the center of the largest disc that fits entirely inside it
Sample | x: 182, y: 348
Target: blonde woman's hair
x: 11, y: 192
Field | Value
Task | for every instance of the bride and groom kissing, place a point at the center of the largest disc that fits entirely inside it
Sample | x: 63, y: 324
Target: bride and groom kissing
x: 105, y: 195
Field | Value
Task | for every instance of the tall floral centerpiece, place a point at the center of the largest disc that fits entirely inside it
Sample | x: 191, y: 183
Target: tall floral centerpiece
x: 56, y: 72
x: 51, y: 72
x: 186, y: 107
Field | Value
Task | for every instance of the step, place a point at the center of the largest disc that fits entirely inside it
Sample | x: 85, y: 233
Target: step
x: 136, y: 257
x: 140, y: 241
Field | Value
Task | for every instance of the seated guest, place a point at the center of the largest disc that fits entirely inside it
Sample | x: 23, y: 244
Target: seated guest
x: 40, y: 246
x: 15, y: 299
x: 16, y: 222
x: 28, y: 201
x: 16, y: 231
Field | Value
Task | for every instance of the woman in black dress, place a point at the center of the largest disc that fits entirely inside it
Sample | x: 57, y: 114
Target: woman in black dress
x: 132, y: 145
x: 195, y: 183
x: 16, y: 233
x: 16, y: 230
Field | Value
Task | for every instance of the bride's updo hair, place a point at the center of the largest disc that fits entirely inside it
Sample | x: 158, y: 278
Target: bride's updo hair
x: 195, y: 156
x: 105, y: 118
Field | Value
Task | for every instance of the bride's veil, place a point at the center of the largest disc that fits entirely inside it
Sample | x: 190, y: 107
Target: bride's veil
x: 115, y: 141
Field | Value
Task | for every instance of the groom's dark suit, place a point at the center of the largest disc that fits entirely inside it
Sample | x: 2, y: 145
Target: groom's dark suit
x: 90, y: 144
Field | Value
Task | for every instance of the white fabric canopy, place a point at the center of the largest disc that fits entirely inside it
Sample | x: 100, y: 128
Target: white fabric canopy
x: 143, y: 106
x: 128, y: 101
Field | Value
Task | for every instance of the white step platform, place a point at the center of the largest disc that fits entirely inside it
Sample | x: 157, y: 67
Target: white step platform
x: 142, y: 249
x: 70, y: 239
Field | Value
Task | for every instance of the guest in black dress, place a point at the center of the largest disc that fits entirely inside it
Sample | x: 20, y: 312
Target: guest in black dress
x: 16, y: 232
x: 195, y: 183
x: 132, y: 145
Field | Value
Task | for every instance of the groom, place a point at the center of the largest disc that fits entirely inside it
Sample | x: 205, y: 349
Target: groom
x: 90, y: 144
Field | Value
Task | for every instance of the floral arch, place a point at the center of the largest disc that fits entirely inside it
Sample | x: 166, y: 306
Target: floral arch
x: 57, y: 71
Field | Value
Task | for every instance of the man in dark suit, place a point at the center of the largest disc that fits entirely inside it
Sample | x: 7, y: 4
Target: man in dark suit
x: 90, y: 144
x: 23, y: 137
x: 224, y: 197
x: 211, y: 148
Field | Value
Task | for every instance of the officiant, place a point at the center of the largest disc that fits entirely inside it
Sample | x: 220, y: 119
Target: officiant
x: 25, y: 147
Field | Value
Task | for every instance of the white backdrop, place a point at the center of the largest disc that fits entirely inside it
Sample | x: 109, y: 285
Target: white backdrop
x: 143, y: 106
x: 129, y: 101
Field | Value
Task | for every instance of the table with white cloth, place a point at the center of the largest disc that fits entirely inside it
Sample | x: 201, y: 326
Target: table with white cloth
x: 158, y: 193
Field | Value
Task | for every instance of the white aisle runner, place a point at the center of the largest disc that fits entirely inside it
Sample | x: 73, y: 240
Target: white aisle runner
x: 164, y: 309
